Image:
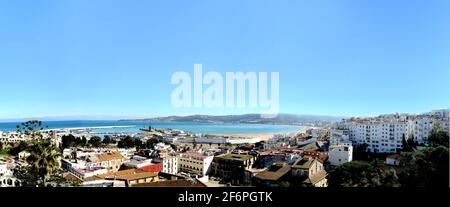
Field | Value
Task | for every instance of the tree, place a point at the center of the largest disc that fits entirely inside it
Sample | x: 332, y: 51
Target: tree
x: 194, y: 143
x: 138, y: 144
x: 83, y: 142
x: 150, y: 144
x: 408, y: 144
x: 44, y: 155
x: 95, y: 141
x: 354, y: 174
x: 68, y: 141
x: 1, y: 146
x: 107, y: 140
x: 43, y: 160
x: 127, y: 142
x: 32, y: 129
x: 19, y: 147
x: 438, y: 138
x: 428, y: 168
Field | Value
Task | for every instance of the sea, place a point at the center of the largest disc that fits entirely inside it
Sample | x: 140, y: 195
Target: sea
x: 134, y: 127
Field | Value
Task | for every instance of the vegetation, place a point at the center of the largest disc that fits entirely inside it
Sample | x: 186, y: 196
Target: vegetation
x: 69, y: 141
x: 362, y: 174
x: 31, y: 128
x: 438, y: 138
x: 95, y: 141
x: 43, y: 161
x: 129, y: 142
x: 418, y: 168
x: 409, y: 145
x: 108, y: 140
x: 18, y: 147
x: 428, y: 168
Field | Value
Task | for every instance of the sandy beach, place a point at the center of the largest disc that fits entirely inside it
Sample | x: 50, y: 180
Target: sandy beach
x: 262, y: 136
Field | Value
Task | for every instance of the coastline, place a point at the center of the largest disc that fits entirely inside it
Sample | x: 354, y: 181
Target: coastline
x: 262, y: 136
x: 263, y: 132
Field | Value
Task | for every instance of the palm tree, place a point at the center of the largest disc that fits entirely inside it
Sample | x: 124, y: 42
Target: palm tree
x: 43, y: 159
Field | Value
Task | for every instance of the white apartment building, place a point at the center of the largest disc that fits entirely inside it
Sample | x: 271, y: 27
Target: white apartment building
x: 385, y: 134
x: 340, y: 154
x: 380, y: 136
x: 421, y: 128
x: 170, y: 165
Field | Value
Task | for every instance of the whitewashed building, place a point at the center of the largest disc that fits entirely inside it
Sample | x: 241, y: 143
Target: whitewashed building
x: 380, y: 136
x: 170, y: 165
x: 421, y: 129
x: 340, y: 154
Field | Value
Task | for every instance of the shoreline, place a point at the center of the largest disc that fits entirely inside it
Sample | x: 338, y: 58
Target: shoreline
x: 262, y: 136
x: 255, y: 134
x: 87, y: 128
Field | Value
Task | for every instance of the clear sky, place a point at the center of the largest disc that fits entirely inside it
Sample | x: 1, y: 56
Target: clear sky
x: 116, y: 58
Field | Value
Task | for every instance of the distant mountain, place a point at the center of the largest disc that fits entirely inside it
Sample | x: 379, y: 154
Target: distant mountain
x: 288, y: 119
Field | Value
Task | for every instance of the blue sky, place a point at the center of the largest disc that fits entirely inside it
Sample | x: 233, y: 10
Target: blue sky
x: 115, y: 58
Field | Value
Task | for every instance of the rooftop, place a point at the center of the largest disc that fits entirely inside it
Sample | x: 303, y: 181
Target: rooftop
x: 303, y: 163
x: 275, y: 172
x: 131, y: 174
x: 239, y: 157
x: 172, y: 183
x: 105, y: 157
x: 317, y: 177
x: 195, y: 155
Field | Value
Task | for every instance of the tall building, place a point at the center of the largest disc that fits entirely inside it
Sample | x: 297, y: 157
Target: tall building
x: 170, y: 165
x: 378, y: 136
x: 385, y: 134
x: 197, y: 164
x: 421, y: 129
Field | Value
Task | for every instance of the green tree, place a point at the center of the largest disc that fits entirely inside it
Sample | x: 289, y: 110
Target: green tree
x: 150, y: 144
x: 438, y: 138
x: 354, y: 174
x: 127, y: 142
x: 19, y: 147
x: 32, y: 129
x: 138, y: 144
x: 82, y: 142
x: 107, y: 140
x: 95, y: 141
x: 43, y: 160
x: 428, y: 168
x: 68, y: 141
x: 194, y: 143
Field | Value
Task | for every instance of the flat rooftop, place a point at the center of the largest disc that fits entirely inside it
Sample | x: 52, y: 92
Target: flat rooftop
x: 240, y: 157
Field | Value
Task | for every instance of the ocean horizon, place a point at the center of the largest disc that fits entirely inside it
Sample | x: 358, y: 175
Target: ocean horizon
x: 113, y: 126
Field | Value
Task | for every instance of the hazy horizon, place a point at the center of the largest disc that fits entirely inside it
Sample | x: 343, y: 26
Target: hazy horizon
x: 116, y: 59
x: 121, y: 117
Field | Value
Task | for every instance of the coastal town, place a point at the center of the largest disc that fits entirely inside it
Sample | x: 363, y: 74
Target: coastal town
x: 382, y: 147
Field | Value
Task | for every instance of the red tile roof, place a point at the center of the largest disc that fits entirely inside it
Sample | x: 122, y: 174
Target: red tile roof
x: 152, y: 168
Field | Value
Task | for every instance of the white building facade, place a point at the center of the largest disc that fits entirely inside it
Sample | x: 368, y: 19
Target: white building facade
x: 170, y: 165
x: 379, y: 136
x: 340, y: 154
